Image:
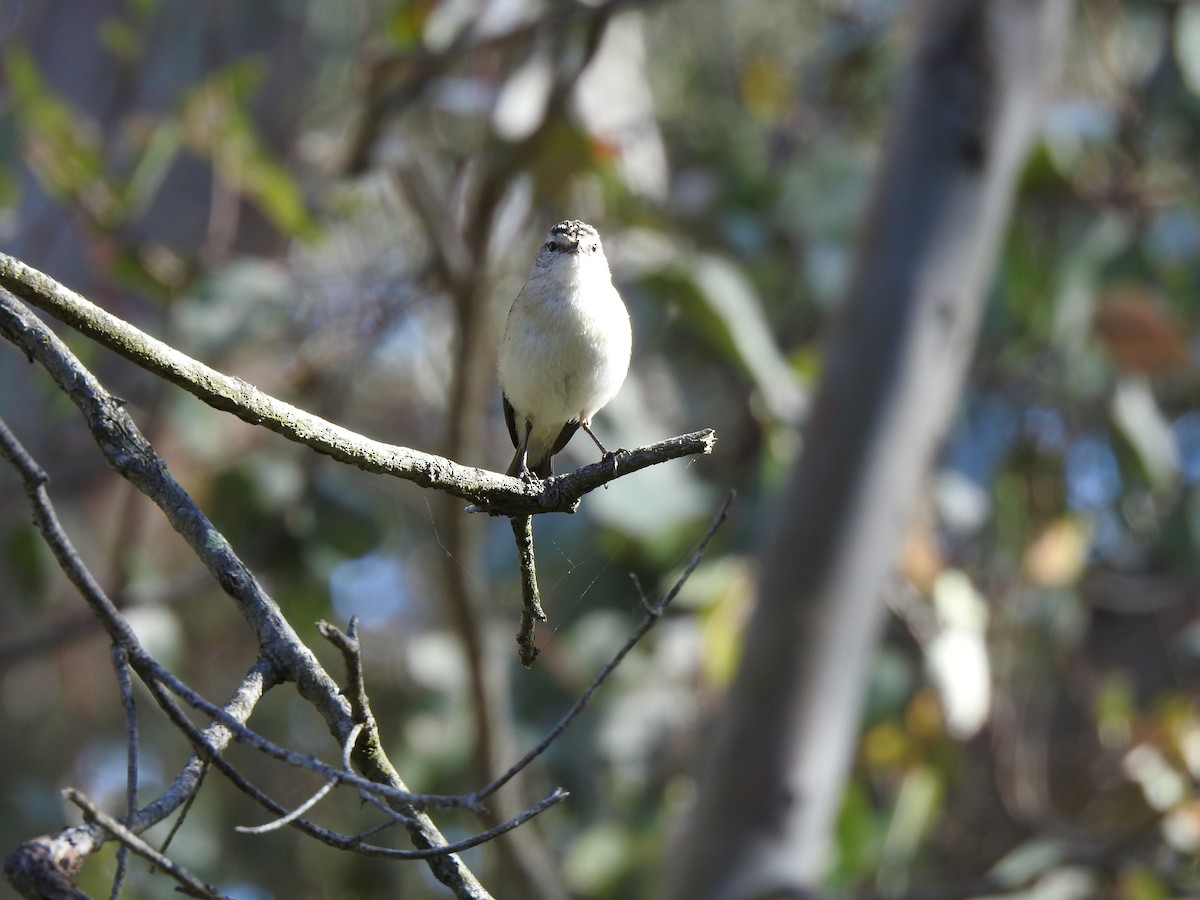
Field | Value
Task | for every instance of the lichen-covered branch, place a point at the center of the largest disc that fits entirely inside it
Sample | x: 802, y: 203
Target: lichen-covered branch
x: 283, y: 653
x: 488, y: 491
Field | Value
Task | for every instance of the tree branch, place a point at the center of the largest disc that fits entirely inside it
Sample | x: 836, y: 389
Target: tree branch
x: 531, y: 602
x: 653, y: 615
x: 284, y: 654
x: 120, y: 659
x: 189, y: 884
x: 487, y: 491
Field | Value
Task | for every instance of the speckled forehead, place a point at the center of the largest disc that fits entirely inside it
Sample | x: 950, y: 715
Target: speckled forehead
x: 574, y: 230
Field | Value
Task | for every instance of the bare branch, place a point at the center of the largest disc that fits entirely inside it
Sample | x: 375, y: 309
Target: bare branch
x: 356, y: 681
x: 154, y: 673
x: 653, y: 614
x: 189, y: 883
x: 120, y: 659
x: 341, y: 841
x: 311, y: 801
x: 43, y: 868
x: 489, y: 491
x: 131, y: 455
x: 210, y: 754
x: 531, y: 602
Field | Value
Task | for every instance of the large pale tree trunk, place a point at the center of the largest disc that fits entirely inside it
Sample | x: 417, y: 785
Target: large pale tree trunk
x: 962, y: 129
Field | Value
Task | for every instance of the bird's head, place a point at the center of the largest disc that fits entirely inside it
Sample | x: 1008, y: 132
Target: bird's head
x: 569, y: 244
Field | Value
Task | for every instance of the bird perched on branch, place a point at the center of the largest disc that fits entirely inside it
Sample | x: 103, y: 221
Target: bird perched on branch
x: 565, y: 350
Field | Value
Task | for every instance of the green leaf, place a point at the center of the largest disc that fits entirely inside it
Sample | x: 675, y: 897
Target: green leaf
x: 152, y: 167
x: 216, y: 124
x: 724, y: 307
x: 61, y: 145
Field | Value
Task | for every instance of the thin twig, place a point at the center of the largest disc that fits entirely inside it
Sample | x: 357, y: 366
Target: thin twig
x: 308, y: 761
x: 356, y: 681
x: 655, y: 611
x: 349, y: 842
x: 370, y: 746
x: 531, y: 603
x: 653, y: 614
x: 34, y: 481
x: 46, y: 520
x: 189, y: 883
x: 186, y: 807
x: 120, y: 660
x: 351, y: 649
x: 311, y: 801
x: 212, y: 757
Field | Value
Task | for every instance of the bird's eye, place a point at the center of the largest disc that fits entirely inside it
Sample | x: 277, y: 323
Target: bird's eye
x: 552, y: 246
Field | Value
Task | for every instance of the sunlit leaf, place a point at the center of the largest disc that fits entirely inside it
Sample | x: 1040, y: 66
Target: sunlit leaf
x: 885, y: 746
x: 957, y: 654
x: 860, y: 831
x: 1027, y: 861
x: 921, y: 559
x: 406, y: 23
x: 1187, y: 44
x: 725, y: 308
x: 916, y: 810
x: 1181, y: 827
x: 727, y: 609
x: 1114, y: 708
x: 599, y: 859
x: 1057, y: 555
x: 1161, y: 783
x: 1135, y: 42
x: 1136, y: 412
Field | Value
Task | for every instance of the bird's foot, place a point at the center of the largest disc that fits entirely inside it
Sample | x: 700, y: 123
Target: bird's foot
x: 611, y: 456
x: 529, y: 476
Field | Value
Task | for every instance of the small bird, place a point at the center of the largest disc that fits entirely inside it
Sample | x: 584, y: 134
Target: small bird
x: 566, y: 348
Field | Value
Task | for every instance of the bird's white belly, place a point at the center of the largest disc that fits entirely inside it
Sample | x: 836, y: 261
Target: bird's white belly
x: 567, y: 359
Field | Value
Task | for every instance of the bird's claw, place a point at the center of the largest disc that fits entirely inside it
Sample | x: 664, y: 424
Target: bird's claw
x: 530, y: 478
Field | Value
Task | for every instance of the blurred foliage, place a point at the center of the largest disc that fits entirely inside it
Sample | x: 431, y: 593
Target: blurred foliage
x: 1033, y: 724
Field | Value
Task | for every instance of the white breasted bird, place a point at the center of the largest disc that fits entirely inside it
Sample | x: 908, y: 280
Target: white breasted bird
x: 565, y: 350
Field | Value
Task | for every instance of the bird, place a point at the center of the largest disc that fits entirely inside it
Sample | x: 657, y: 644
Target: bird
x: 565, y: 350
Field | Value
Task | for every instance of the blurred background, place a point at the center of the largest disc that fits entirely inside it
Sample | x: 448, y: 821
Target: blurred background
x: 338, y: 202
